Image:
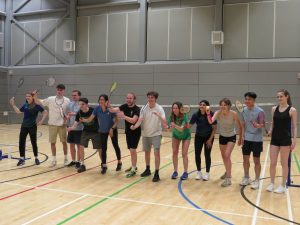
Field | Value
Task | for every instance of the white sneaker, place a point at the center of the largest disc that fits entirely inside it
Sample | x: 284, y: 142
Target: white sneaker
x: 53, y: 163
x: 270, y: 187
x: 280, y: 190
x: 66, y: 162
x: 226, y: 182
x: 255, y: 184
x: 245, y: 181
x: 199, y: 175
x: 205, y: 176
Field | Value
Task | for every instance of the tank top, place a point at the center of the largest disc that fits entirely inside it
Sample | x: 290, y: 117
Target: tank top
x: 281, y: 124
x: 226, y: 126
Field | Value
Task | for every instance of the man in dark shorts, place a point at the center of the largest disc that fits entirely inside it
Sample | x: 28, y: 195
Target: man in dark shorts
x: 253, y: 119
x: 130, y: 112
x: 90, y: 131
x: 74, y: 136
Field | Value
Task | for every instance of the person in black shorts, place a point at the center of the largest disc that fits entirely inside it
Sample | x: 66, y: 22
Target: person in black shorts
x: 90, y: 131
x: 130, y: 113
x: 283, y: 134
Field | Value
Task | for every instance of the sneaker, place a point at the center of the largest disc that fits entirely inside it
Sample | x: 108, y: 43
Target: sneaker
x: 155, y: 178
x: 174, y: 175
x: 245, y: 181
x: 131, y: 173
x: 81, y: 168
x: 226, y: 182
x: 184, y: 176
x: 223, y: 176
x: 199, y: 175
x: 270, y: 187
x: 53, y: 163
x: 66, y: 162
x: 103, y: 170
x: 21, y: 162
x: 205, y: 176
x: 72, y: 163
x: 146, y: 173
x: 255, y: 184
x: 280, y: 190
x: 119, y: 167
x: 129, y: 169
x: 77, y: 165
x: 37, y: 161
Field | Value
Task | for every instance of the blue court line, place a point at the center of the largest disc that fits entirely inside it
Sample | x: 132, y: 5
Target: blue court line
x: 198, y: 207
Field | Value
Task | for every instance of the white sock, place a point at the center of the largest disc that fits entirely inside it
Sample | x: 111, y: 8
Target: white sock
x: 66, y: 157
x: 133, y: 167
x: 22, y: 158
x: 53, y: 158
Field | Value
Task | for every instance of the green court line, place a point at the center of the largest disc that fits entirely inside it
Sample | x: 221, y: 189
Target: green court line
x: 297, y: 161
x: 112, y: 195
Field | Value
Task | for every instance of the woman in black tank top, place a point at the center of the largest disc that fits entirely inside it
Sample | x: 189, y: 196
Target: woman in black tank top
x: 283, y: 133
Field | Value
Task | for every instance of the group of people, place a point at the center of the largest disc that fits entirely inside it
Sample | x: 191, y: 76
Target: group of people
x: 76, y: 123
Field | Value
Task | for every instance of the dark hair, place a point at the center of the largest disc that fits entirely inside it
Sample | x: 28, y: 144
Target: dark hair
x: 206, y: 103
x: 61, y: 86
x: 85, y: 100
x: 104, y: 96
x: 180, y: 116
x: 286, y: 94
x: 153, y: 93
x: 250, y: 94
x: 226, y: 101
x: 78, y: 92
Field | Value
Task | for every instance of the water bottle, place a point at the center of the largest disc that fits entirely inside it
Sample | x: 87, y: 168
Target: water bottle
x: 9, y: 152
x: 0, y: 154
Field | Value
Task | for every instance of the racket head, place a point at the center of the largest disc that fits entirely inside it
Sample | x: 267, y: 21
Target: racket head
x: 185, y: 109
x: 113, y: 87
x: 20, y: 82
x: 50, y: 81
x: 207, y: 108
x: 239, y: 106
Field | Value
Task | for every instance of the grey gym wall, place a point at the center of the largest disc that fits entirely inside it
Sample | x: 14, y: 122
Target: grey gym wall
x: 3, y: 95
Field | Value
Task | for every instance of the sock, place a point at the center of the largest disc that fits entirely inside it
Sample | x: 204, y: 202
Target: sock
x: 66, y: 157
x: 147, y: 167
x: 133, y: 167
x: 53, y: 158
x: 22, y: 158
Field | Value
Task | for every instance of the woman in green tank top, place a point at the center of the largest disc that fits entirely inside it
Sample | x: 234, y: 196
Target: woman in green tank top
x: 177, y: 123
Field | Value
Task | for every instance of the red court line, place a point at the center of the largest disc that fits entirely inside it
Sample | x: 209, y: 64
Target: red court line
x: 58, y: 179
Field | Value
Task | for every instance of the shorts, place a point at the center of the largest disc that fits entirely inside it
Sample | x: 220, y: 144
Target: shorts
x: 57, y: 130
x: 86, y: 136
x: 74, y: 137
x: 149, y: 141
x: 224, y: 140
x: 281, y: 142
x: 132, y: 139
x: 252, y: 146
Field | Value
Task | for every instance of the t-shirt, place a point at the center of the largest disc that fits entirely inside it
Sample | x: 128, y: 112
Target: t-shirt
x: 57, y: 109
x: 91, y: 126
x: 203, y: 128
x: 256, y: 115
x: 151, y: 125
x: 105, y: 119
x: 226, y: 125
x: 130, y: 112
x: 181, y: 135
x: 74, y: 107
x: 31, y: 112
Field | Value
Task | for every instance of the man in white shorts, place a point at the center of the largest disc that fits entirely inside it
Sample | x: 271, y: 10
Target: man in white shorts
x: 58, y: 106
x: 152, y: 117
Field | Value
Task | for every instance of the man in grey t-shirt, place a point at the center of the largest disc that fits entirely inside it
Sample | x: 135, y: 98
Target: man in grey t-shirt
x: 253, y: 118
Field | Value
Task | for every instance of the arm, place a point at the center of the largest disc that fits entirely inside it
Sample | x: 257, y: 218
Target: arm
x: 73, y: 127
x: 210, y: 119
x: 12, y: 102
x: 293, y: 113
x: 241, y: 128
x: 44, y: 115
x: 212, y: 135
x: 162, y: 119
x: 137, y: 124
x: 87, y: 120
x: 271, y: 125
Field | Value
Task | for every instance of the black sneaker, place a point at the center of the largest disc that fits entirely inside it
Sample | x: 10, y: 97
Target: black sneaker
x: 77, y: 165
x: 103, y: 170
x: 37, y: 161
x: 119, y: 167
x: 81, y: 169
x: 146, y: 173
x: 72, y: 163
x: 156, y: 178
x: 21, y: 162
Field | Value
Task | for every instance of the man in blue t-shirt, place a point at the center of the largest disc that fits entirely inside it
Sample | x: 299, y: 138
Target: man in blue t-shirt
x: 253, y: 118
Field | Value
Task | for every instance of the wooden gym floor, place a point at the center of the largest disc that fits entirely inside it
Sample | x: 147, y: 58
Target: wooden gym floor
x: 43, y: 195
